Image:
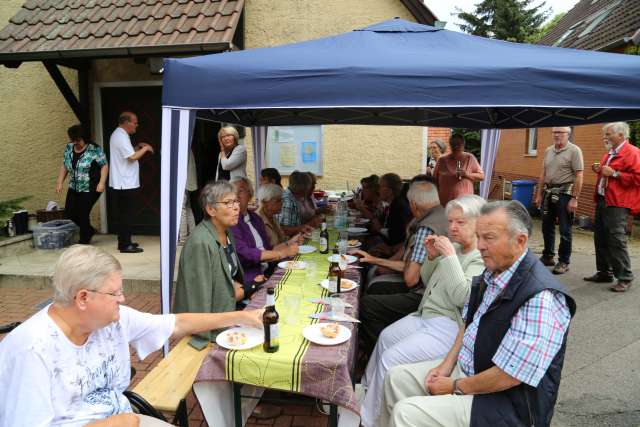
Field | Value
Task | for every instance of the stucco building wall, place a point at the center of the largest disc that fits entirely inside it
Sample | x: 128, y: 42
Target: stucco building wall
x: 34, y: 118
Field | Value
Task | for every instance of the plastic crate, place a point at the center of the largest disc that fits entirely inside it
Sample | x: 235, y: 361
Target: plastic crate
x: 55, y: 234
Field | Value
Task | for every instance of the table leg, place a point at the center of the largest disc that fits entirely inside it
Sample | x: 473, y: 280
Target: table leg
x: 237, y: 404
x: 333, y: 415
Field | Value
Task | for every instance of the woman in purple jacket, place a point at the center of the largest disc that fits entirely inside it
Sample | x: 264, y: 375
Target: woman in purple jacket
x: 252, y: 243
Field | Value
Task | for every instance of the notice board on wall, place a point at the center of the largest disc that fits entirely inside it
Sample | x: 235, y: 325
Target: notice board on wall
x: 291, y: 148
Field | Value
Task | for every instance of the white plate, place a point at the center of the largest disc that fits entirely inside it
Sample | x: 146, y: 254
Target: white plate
x: 356, y: 230
x: 292, y: 265
x: 336, y: 258
x: 313, y: 334
x: 306, y: 249
x: 254, y: 337
x: 355, y: 245
x: 362, y: 221
x: 325, y: 284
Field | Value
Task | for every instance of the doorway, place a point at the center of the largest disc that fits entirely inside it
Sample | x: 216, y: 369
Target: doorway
x: 146, y: 103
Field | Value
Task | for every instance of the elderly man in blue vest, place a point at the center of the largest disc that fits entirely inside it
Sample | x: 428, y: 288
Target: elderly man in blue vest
x: 505, y: 366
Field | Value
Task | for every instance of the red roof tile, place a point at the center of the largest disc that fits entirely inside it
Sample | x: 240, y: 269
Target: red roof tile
x: 595, y: 24
x: 76, y: 28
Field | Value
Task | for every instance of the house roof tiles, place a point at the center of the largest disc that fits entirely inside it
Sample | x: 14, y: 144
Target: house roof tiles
x: 595, y: 24
x: 69, y: 28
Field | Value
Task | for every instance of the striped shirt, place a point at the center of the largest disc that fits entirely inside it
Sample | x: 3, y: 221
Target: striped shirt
x: 536, y: 334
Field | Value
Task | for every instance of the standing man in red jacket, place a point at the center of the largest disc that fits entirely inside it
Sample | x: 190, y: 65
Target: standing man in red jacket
x: 617, y: 195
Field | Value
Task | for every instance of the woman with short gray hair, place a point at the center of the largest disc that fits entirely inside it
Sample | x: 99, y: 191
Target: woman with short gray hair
x: 429, y: 333
x: 270, y: 204
x: 252, y: 243
x: 68, y: 364
x: 203, y: 285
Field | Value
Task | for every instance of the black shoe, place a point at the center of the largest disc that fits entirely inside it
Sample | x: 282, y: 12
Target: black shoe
x: 599, y: 278
x: 130, y: 249
x: 547, y: 260
x: 136, y: 244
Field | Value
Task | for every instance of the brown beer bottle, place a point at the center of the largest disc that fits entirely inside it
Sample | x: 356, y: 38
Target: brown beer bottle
x: 270, y: 320
x: 335, y: 274
x: 324, y: 237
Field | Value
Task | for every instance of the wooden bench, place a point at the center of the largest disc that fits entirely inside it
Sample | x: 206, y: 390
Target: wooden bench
x: 166, y: 387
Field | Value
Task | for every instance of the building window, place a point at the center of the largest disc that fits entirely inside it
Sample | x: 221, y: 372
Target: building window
x: 532, y: 142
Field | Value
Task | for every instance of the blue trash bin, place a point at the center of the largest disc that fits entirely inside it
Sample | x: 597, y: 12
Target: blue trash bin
x: 522, y: 191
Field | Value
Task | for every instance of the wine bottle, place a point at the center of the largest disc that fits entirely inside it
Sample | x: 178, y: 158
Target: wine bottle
x: 270, y: 320
x: 324, y: 237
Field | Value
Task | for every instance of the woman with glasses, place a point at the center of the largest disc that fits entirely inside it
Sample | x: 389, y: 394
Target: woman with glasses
x: 86, y: 166
x: 210, y: 276
x: 69, y: 363
x: 252, y: 242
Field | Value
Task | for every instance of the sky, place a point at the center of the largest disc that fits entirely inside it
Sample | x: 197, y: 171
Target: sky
x: 443, y: 9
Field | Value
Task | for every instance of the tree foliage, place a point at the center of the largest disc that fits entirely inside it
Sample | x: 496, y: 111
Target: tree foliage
x: 511, y: 20
x: 535, y: 37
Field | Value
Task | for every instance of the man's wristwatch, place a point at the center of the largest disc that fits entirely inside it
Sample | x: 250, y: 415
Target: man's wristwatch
x: 615, y: 174
x: 456, y: 389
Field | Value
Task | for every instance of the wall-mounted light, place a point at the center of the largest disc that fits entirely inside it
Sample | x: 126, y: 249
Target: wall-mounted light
x: 156, y: 65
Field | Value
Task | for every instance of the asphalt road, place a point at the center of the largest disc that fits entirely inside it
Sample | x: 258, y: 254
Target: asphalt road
x: 601, y: 376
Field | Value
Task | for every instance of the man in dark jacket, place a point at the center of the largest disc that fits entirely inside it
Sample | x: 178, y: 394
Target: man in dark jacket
x: 505, y: 366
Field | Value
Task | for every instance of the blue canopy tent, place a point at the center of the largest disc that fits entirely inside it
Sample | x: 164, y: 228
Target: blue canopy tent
x: 392, y: 73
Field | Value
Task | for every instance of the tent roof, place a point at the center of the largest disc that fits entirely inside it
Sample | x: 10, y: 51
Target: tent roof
x: 402, y: 73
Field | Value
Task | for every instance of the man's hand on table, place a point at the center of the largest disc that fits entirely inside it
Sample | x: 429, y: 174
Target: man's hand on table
x: 365, y: 257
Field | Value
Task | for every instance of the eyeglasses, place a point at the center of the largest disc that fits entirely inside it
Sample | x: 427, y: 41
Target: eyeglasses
x: 115, y: 294
x: 559, y: 132
x: 230, y: 203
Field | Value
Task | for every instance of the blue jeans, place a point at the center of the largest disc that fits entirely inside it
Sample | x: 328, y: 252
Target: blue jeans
x: 557, y: 210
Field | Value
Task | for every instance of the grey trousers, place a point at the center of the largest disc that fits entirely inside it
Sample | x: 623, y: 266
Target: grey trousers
x: 146, y: 421
x: 610, y: 240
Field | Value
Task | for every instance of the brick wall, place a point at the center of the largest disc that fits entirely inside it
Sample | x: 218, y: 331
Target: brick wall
x: 513, y: 162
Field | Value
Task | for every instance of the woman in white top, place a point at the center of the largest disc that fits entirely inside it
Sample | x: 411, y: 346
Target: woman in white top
x: 69, y: 364
x: 232, y: 160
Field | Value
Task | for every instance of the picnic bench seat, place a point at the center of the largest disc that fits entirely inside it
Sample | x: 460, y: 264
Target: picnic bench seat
x: 166, y: 386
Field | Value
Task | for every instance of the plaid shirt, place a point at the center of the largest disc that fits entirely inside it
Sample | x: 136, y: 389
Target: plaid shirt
x: 534, y: 338
x: 419, y: 253
x: 289, y: 215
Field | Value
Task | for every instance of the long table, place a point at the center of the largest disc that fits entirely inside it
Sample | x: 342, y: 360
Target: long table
x: 299, y: 366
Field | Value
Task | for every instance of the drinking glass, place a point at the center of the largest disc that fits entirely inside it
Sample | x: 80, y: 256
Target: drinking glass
x: 343, y: 237
x: 315, y: 236
x: 292, y: 304
x: 337, y: 305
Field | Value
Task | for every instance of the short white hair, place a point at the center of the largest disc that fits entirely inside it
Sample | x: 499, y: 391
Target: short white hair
x: 246, y: 181
x: 81, y: 267
x: 423, y: 194
x: 618, y: 127
x: 470, y: 205
x: 269, y: 192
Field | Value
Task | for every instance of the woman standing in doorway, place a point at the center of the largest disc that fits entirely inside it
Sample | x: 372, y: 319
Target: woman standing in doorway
x: 232, y: 160
x: 86, y: 165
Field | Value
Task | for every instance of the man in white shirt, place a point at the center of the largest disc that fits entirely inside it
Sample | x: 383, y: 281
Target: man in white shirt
x: 124, y: 176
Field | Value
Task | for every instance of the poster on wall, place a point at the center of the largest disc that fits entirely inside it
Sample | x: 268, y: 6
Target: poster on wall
x: 292, y: 148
